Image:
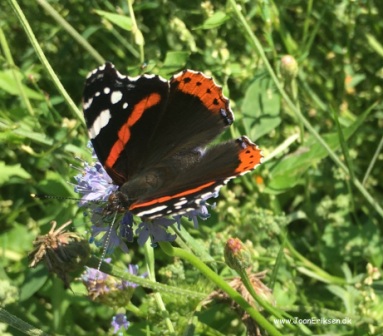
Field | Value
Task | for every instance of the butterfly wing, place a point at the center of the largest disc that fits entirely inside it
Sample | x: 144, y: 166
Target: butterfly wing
x: 189, y: 190
x: 121, y: 113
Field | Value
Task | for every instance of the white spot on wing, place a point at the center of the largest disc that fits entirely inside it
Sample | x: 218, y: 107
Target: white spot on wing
x: 100, y: 122
x: 125, y: 105
x: 151, y: 211
x: 207, y: 195
x: 180, y: 203
x: 87, y: 103
x: 106, y: 90
x: 115, y: 97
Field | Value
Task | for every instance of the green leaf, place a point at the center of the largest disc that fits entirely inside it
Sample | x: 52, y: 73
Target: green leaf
x: 8, y: 84
x: 138, y: 37
x: 196, y: 246
x: 375, y: 44
x: 54, y: 182
x: 35, y: 279
x: 216, y: 20
x: 23, y: 130
x: 174, y: 61
x: 6, y: 172
x: 287, y: 172
x: 261, y: 108
x: 122, y: 21
x: 313, y: 274
x: 350, y: 296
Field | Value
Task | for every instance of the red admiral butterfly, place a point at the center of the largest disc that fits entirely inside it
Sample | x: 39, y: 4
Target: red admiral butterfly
x: 151, y: 136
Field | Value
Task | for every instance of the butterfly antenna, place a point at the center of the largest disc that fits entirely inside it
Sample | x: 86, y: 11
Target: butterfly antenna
x: 64, y: 198
x: 107, y: 242
x: 55, y: 197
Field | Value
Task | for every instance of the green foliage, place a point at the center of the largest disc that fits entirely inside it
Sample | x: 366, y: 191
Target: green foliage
x: 310, y: 215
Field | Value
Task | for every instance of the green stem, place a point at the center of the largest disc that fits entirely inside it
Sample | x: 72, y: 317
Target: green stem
x: 19, y: 324
x: 258, y: 47
x: 149, y: 258
x: 94, y: 262
x: 32, y: 38
x: 135, y: 310
x: 234, y: 295
x: 58, y: 302
x: 139, y: 38
x: 324, y: 275
x: 373, y: 161
x: 72, y: 32
x: 263, y: 303
x: 9, y: 58
x: 267, y: 306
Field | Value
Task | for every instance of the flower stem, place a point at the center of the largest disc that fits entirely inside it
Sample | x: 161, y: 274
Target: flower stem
x: 267, y: 306
x: 149, y: 257
x: 322, y: 275
x: 234, y: 295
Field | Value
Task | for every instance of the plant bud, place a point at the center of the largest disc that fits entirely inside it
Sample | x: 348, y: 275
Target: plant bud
x: 288, y: 67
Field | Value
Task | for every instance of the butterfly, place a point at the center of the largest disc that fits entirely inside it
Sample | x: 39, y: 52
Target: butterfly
x: 153, y: 137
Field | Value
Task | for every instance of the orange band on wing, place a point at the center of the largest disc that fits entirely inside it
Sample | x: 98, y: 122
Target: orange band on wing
x: 204, y: 88
x: 249, y: 158
x: 124, y: 132
x: 166, y: 198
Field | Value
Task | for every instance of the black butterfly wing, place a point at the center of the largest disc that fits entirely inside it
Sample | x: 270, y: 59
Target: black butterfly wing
x: 121, y: 113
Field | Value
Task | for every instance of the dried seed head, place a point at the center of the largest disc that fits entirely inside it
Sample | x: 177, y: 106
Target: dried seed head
x: 61, y: 252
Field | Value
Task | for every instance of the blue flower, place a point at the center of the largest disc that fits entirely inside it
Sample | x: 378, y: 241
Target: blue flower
x: 110, y: 239
x: 96, y: 282
x: 94, y: 183
x: 156, y: 230
x: 107, y: 288
x: 193, y: 215
x: 119, y: 321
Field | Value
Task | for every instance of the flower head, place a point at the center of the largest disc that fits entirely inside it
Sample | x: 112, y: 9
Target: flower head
x: 108, y: 289
x: 94, y: 183
x: 119, y: 321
